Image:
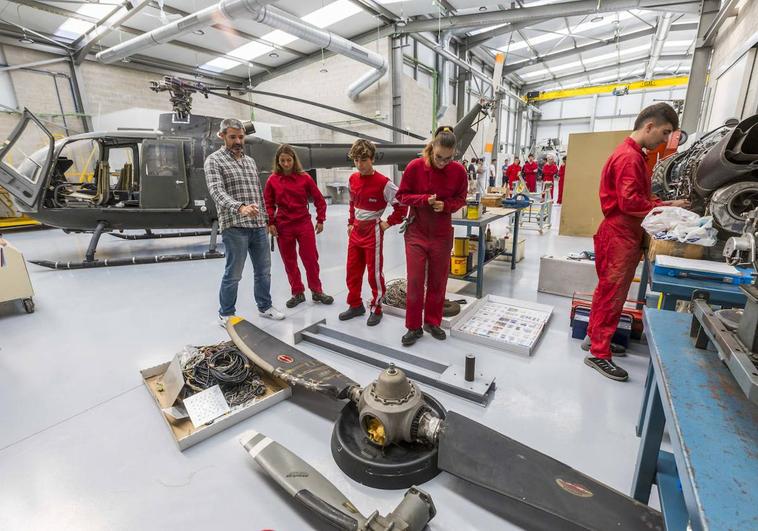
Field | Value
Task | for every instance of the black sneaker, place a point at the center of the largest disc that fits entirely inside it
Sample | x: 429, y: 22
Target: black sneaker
x: 295, y: 300
x: 322, y: 297
x: 352, y: 312
x: 616, y: 349
x: 411, y: 336
x: 374, y: 319
x: 607, y: 368
x: 436, y: 331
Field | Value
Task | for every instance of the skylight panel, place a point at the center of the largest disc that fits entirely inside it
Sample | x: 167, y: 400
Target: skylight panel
x: 332, y: 13
x: 72, y: 28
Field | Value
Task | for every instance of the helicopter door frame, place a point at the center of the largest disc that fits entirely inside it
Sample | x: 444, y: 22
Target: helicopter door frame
x: 163, y: 187
x: 24, y: 189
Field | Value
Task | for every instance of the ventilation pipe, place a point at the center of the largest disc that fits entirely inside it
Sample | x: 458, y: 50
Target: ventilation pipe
x: 258, y: 11
x: 664, y: 25
x: 444, y: 77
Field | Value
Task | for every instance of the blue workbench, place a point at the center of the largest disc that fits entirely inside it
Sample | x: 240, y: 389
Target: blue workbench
x: 713, y: 430
x: 477, y: 275
x: 676, y: 289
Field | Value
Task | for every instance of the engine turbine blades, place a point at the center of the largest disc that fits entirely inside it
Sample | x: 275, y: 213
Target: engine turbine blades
x: 491, y: 460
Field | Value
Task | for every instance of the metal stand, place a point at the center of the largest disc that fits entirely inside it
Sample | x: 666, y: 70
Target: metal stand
x: 90, y: 255
x: 444, y: 376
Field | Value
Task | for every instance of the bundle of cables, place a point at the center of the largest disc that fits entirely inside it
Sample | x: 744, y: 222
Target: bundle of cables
x: 395, y: 295
x: 223, y: 365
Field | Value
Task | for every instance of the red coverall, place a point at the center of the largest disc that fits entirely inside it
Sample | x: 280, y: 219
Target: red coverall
x: 625, y: 198
x: 530, y: 175
x: 369, y: 196
x: 512, y: 173
x: 286, y: 198
x: 429, y: 238
x: 548, y: 175
x: 562, y: 179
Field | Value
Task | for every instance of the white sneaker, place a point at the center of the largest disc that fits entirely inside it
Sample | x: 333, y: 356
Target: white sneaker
x: 222, y: 320
x: 272, y: 313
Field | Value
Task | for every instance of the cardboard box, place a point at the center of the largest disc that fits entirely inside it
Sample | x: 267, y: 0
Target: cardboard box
x: 185, y: 434
x: 520, y: 249
x: 671, y: 248
x: 493, y: 200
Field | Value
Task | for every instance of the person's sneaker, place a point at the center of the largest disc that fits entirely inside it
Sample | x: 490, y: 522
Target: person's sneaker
x: 411, y: 336
x: 355, y: 311
x: 222, y: 320
x: 436, y: 331
x: 616, y: 349
x: 272, y: 313
x: 322, y: 297
x: 374, y: 319
x: 607, y: 368
x: 295, y: 300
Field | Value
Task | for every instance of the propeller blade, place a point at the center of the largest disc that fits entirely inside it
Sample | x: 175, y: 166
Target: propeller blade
x: 286, y: 362
x: 302, y: 481
x: 491, y: 460
x: 489, y: 135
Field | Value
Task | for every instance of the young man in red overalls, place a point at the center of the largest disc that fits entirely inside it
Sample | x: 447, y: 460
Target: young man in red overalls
x: 626, y: 198
x: 370, y: 193
x: 530, y: 173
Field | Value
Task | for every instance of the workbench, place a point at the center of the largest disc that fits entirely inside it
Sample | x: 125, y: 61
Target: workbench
x: 711, y: 479
x: 495, y: 214
x: 675, y: 289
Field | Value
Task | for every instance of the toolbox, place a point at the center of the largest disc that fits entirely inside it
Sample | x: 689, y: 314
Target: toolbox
x: 581, y: 319
x: 632, y: 308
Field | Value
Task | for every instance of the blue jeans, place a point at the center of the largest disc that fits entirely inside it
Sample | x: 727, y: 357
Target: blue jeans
x: 238, y: 243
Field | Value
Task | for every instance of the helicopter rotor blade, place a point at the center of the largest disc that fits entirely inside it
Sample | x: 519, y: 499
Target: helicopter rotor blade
x: 484, y: 457
x: 286, y: 362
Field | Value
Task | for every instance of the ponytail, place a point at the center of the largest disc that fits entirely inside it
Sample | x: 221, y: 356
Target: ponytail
x: 443, y: 137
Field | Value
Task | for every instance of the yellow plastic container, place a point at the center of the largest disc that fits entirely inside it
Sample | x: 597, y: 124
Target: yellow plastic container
x: 460, y: 247
x: 472, y: 212
x: 458, y: 265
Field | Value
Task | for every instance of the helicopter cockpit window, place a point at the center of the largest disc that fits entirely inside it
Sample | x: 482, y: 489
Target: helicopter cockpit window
x: 83, y: 155
x: 28, y: 153
x: 161, y: 160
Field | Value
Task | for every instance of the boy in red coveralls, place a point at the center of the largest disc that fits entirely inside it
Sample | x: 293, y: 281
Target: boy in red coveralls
x: 370, y: 193
x: 513, y: 172
x: 287, y: 193
x: 530, y: 173
x: 434, y: 186
x: 625, y: 198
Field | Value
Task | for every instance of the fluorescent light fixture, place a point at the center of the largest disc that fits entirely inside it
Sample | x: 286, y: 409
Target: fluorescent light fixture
x: 246, y: 52
x: 72, y: 28
x: 220, y: 64
x: 332, y: 13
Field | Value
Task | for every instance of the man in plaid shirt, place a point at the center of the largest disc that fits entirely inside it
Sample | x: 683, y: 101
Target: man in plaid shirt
x: 233, y: 183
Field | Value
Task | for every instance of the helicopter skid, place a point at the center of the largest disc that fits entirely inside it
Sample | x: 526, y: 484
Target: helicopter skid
x: 112, y: 262
x: 155, y: 236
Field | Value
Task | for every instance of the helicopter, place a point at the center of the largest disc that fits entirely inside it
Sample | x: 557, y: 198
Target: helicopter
x: 108, y: 182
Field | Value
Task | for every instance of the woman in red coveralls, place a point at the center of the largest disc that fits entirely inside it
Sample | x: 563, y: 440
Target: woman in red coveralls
x: 286, y: 195
x: 561, y: 179
x: 530, y: 174
x: 625, y: 198
x: 513, y: 172
x: 549, y: 170
x: 434, y: 186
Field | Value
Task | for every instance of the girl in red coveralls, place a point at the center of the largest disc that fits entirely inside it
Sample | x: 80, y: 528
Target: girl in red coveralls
x: 512, y: 173
x: 561, y: 179
x: 370, y: 194
x: 530, y: 173
x: 549, y: 170
x: 287, y: 193
x: 434, y: 186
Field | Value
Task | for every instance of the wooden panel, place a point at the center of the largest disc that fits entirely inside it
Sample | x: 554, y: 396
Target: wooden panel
x: 587, y: 153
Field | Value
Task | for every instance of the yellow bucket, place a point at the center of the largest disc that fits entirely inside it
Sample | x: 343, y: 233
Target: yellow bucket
x: 472, y: 211
x: 460, y: 247
x: 458, y: 265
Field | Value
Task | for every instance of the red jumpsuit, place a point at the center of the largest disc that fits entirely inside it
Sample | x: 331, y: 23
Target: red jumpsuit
x: 548, y: 175
x: 625, y: 198
x: 512, y: 173
x: 561, y: 180
x: 369, y: 197
x: 530, y: 175
x: 286, y: 198
x: 429, y: 238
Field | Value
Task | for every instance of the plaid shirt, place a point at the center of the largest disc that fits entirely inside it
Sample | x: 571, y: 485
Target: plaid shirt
x: 233, y: 183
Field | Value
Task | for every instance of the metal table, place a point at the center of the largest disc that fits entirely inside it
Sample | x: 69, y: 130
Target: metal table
x: 676, y: 289
x: 477, y: 275
x: 713, y: 432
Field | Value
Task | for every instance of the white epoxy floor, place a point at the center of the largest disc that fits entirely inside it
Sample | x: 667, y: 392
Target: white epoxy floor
x: 82, y: 445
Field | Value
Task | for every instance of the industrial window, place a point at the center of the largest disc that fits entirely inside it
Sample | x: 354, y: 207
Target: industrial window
x: 162, y: 160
